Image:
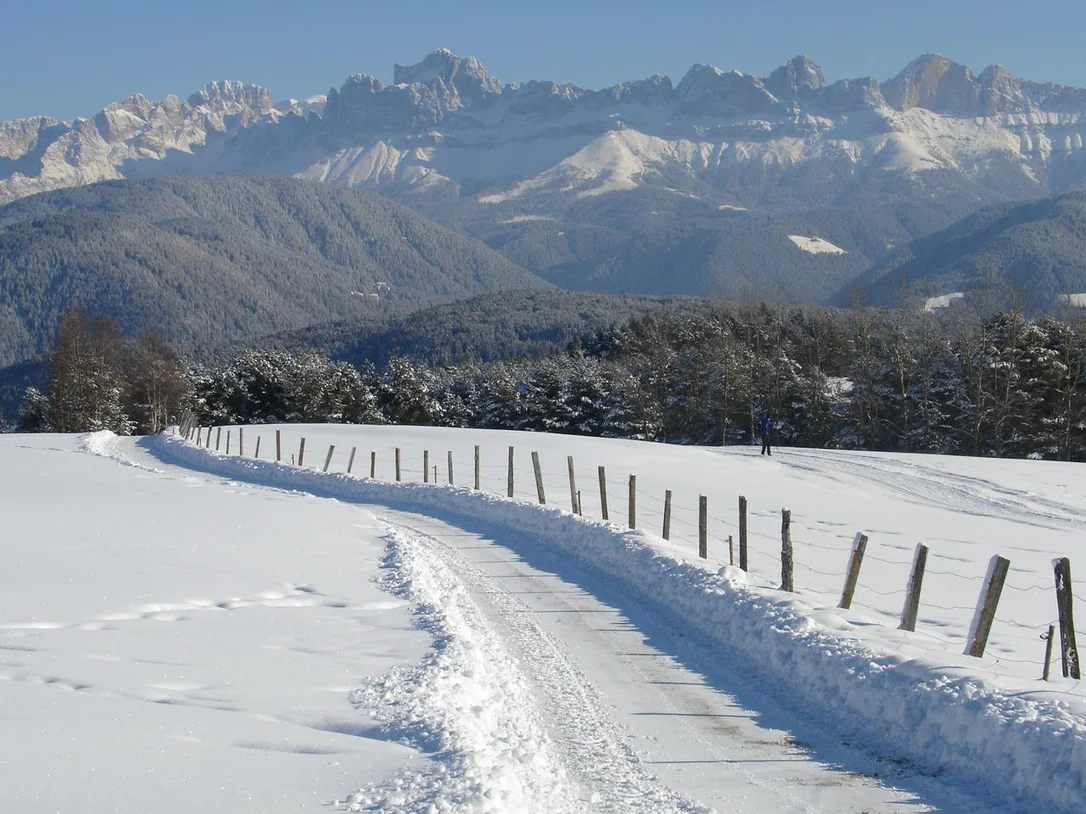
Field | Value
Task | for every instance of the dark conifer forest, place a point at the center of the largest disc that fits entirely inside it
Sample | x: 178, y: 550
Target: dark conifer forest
x: 1008, y: 385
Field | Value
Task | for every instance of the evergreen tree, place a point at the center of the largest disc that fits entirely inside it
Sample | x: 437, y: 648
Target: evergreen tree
x: 35, y: 414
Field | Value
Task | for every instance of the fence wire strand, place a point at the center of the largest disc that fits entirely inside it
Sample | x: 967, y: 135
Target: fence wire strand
x: 765, y: 552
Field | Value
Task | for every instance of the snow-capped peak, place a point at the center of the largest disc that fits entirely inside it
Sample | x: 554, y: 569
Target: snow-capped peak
x: 466, y: 74
x: 935, y: 83
x: 229, y: 96
x: 795, y: 78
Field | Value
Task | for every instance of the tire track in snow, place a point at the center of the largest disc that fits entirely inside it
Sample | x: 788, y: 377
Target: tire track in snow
x: 699, y: 735
x: 515, y: 723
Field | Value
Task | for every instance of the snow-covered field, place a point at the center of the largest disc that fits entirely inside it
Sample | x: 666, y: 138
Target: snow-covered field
x: 816, y: 245
x: 945, y: 301
x: 182, y: 631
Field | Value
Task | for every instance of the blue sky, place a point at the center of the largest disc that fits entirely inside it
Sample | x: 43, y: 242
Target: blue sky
x: 66, y: 58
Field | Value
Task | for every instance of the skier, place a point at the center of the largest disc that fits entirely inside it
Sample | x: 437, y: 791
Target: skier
x: 763, y: 430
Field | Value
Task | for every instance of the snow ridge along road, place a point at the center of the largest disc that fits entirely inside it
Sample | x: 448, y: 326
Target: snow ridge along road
x: 928, y: 720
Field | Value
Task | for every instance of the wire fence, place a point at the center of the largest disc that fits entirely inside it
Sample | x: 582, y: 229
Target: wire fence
x: 881, y: 587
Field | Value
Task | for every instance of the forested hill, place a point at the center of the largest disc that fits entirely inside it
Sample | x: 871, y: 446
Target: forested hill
x: 490, y: 327
x: 1006, y: 255
x: 220, y: 259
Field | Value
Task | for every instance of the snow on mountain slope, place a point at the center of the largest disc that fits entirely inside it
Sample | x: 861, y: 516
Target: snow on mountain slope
x: 618, y: 160
x: 815, y: 245
x: 946, y: 300
x: 448, y: 124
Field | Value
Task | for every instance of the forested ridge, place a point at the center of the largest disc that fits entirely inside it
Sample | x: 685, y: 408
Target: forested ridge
x: 225, y: 259
x: 491, y: 327
x: 1007, y: 385
x: 1024, y: 253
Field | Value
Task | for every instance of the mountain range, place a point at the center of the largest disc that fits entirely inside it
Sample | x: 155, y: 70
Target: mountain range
x: 447, y: 125
x: 782, y: 187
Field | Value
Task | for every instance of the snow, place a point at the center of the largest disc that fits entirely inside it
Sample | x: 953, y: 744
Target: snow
x: 296, y: 638
x: 527, y: 219
x: 944, y: 301
x: 1078, y: 300
x: 816, y: 245
x: 617, y: 160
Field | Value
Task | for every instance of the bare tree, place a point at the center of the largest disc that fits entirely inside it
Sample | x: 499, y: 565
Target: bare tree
x: 156, y: 383
x: 87, y: 383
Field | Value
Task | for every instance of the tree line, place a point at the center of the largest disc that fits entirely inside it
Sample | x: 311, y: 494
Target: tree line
x: 99, y: 380
x: 1009, y: 385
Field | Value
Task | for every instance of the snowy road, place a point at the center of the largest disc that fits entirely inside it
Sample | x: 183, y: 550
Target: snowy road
x: 219, y: 633
x: 578, y: 698
x: 636, y: 722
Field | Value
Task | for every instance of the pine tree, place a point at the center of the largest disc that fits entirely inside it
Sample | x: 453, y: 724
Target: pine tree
x: 35, y: 413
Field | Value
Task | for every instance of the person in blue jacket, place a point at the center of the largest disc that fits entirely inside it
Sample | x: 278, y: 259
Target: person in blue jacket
x: 763, y: 430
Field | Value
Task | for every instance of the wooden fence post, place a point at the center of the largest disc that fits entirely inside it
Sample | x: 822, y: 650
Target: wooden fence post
x: 207, y: 441
x: 731, y: 551
x: 350, y: 460
x: 328, y: 458
x: 912, y: 593
x: 1065, y: 604
x: 579, y: 504
x: 301, y: 452
x: 742, y: 532
x: 572, y: 486
x: 786, y: 550
x: 667, y: 514
x: 703, y: 527
x: 241, y: 442
x: 199, y: 436
x: 228, y: 442
x: 373, y: 464
x: 603, y: 493
x: 278, y: 447
x: 1048, y: 637
x: 426, y: 466
x: 218, y: 437
x: 986, y: 606
x: 450, y: 469
x: 859, y: 546
x: 476, y: 467
x: 538, y: 477
x: 510, y: 479
x: 397, y: 463
x: 256, y: 454
x: 633, y: 502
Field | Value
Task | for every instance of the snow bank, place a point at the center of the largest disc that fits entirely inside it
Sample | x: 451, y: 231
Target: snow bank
x: 940, y: 720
